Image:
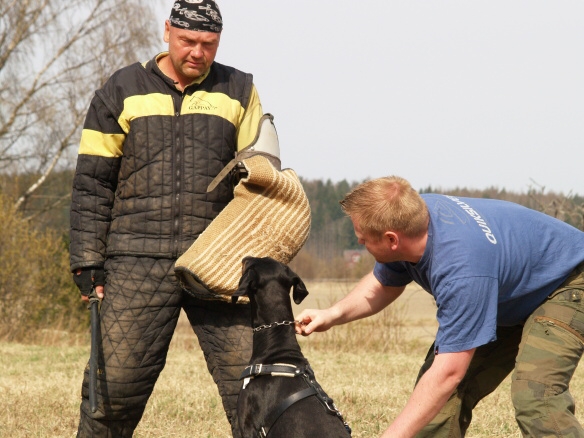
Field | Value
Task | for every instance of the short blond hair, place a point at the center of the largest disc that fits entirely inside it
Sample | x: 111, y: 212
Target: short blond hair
x: 387, y: 204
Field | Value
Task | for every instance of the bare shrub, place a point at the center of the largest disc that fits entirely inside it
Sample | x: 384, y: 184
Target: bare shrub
x: 37, y: 295
x: 569, y: 208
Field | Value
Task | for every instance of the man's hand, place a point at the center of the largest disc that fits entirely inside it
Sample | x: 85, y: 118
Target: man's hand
x: 88, y: 278
x: 314, y: 320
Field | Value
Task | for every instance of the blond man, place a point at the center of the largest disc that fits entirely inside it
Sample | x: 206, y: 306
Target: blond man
x: 504, y: 278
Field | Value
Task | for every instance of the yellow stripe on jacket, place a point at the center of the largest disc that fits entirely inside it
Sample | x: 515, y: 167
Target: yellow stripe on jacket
x: 200, y: 102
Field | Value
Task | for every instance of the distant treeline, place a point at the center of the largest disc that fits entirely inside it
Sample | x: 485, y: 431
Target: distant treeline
x: 331, y: 231
x: 37, y: 291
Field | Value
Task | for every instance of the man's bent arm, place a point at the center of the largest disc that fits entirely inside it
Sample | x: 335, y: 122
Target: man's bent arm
x: 430, y: 394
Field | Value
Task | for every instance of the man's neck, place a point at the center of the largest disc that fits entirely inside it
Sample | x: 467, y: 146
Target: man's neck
x: 413, y: 248
x: 165, y: 65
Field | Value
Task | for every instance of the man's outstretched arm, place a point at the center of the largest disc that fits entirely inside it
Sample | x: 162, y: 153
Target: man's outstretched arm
x: 367, y: 298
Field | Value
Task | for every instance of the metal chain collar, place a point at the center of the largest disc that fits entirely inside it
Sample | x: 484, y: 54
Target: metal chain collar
x: 274, y: 324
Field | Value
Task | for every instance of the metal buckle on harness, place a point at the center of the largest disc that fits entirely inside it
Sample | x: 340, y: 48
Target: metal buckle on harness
x: 330, y: 405
x: 255, y: 369
x: 250, y: 372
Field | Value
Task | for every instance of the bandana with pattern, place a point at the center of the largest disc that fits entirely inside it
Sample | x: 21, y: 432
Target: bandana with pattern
x: 200, y: 15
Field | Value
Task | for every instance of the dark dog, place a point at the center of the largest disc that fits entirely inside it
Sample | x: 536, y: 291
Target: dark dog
x: 280, y: 396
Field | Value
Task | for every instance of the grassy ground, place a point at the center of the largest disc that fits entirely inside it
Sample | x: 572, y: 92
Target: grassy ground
x: 367, y: 367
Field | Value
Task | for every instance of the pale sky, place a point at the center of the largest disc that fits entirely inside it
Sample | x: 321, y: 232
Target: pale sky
x: 444, y: 93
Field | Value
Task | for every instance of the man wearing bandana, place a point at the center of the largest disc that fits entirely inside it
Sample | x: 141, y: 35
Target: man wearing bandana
x: 156, y: 134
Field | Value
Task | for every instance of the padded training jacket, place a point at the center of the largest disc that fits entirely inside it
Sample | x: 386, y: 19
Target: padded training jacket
x: 148, y: 153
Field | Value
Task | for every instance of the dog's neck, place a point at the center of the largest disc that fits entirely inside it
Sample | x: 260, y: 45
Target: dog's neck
x: 277, y: 344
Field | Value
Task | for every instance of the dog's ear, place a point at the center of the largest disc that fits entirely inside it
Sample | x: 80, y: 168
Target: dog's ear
x: 299, y: 291
x: 247, y: 284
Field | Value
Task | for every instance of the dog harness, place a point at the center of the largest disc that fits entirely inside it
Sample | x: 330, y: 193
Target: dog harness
x: 286, y: 370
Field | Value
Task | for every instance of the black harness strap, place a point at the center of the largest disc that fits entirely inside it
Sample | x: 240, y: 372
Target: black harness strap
x: 281, y: 408
x: 285, y: 370
x: 258, y: 369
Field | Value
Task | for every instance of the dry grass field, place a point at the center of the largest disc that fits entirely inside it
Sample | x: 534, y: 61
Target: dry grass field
x: 367, y: 367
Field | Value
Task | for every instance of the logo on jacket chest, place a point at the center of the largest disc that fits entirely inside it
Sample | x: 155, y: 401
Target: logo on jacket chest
x: 201, y: 105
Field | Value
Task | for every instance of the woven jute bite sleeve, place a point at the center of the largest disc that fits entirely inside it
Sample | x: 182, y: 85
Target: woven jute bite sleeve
x: 269, y: 216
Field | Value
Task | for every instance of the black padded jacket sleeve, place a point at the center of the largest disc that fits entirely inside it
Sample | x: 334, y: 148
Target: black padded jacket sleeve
x: 94, y: 186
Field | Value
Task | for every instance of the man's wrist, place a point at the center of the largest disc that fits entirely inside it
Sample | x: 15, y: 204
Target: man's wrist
x: 88, y: 278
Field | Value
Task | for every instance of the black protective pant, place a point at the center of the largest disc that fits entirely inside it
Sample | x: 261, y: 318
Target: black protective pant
x: 138, y: 316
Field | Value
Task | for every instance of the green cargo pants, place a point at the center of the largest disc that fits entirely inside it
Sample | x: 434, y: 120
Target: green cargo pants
x: 544, y: 354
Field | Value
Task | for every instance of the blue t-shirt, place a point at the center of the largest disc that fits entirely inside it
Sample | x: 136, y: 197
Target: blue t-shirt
x: 487, y: 263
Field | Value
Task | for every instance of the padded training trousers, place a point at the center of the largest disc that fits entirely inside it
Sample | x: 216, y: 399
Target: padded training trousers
x: 543, y: 355
x: 138, y: 316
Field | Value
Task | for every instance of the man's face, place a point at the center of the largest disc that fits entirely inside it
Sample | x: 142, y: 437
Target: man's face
x: 191, y: 52
x: 379, y: 246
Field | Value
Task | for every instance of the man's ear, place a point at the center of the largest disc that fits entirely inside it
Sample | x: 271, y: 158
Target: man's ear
x: 166, y: 35
x: 299, y: 291
x: 392, y: 238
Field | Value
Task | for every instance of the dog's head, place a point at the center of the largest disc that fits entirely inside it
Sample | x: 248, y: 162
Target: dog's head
x: 258, y: 272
